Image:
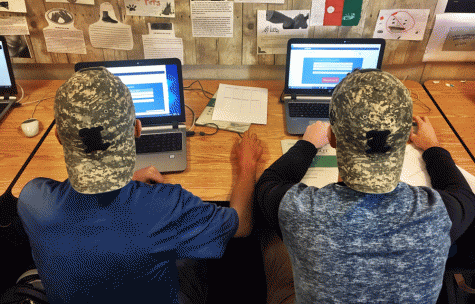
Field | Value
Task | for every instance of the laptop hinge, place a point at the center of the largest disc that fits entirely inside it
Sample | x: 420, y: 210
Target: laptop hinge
x: 175, y: 124
x: 293, y: 96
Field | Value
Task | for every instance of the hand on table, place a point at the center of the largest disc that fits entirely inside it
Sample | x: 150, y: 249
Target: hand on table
x: 318, y: 134
x: 248, y: 151
x: 149, y: 175
x: 425, y: 137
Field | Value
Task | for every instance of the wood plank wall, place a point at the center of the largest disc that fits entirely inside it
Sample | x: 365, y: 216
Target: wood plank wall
x: 404, y: 58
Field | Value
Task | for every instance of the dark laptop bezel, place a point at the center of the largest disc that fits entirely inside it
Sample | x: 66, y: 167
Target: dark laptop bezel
x: 12, y: 90
x: 325, y: 92
x: 153, y: 121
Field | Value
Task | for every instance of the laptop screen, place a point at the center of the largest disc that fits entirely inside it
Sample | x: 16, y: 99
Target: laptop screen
x: 316, y: 66
x: 155, y: 85
x: 7, y: 81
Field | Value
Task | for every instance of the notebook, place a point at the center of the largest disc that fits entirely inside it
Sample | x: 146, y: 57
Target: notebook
x: 7, y: 81
x: 314, y: 67
x: 156, y: 86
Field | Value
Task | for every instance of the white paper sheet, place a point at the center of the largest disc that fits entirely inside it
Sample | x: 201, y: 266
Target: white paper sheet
x: 212, y: 18
x: 272, y: 37
x: 15, y: 25
x: 401, y: 24
x: 16, y: 6
x: 60, y: 35
x: 317, y: 13
x: 241, y: 104
x: 452, y: 39
x: 154, y: 8
x: 109, y: 32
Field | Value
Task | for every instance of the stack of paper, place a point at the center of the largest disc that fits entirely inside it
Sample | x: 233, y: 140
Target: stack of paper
x: 241, y: 104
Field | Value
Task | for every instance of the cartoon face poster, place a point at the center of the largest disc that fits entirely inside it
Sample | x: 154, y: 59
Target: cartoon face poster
x: 154, y: 8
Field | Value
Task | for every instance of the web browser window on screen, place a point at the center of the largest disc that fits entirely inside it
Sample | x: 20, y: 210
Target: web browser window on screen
x: 149, y: 88
x: 323, y: 66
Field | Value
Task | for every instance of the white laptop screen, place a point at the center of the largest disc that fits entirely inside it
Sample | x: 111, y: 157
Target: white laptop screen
x: 322, y: 66
x: 154, y: 88
x: 7, y: 80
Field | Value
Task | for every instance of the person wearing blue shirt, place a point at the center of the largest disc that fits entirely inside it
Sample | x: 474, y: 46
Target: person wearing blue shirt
x: 107, y: 234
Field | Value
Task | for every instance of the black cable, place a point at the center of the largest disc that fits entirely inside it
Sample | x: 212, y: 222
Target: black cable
x: 201, y: 88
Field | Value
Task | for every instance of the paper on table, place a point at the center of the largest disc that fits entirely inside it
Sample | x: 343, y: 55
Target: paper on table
x: 323, y: 170
x: 413, y: 171
x: 241, y: 104
x: 206, y: 118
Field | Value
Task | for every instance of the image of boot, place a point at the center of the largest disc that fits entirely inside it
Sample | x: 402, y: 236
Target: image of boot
x: 107, y: 18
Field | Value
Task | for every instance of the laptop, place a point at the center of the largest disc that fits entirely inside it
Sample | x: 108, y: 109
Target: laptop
x: 156, y: 86
x: 313, y: 69
x: 8, y: 88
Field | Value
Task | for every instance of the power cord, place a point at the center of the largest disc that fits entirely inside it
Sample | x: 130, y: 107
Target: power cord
x: 208, y: 95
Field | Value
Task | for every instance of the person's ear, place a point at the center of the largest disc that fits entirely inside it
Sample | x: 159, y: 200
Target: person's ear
x: 332, y: 139
x: 57, y: 136
x: 138, y: 128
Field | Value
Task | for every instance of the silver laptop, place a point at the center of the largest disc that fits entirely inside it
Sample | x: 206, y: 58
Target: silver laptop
x: 314, y: 67
x: 8, y: 88
x: 156, y: 86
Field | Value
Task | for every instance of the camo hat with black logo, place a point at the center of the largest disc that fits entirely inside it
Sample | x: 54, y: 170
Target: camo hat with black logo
x: 95, y: 119
x: 371, y: 117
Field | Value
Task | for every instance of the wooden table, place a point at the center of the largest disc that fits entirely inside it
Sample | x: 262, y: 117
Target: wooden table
x: 456, y: 100
x: 210, y: 173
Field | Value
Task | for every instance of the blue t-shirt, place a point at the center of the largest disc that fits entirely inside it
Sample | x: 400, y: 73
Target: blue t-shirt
x: 119, y: 246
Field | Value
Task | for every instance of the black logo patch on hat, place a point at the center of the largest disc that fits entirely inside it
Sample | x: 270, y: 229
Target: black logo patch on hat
x: 92, y: 139
x: 377, y: 141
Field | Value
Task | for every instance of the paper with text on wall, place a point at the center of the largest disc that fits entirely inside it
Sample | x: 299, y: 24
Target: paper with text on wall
x: 241, y: 104
x: 60, y: 35
x: 108, y: 32
x: 206, y: 117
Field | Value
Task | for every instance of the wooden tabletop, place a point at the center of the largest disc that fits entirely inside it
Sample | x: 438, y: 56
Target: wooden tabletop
x: 456, y: 99
x: 210, y: 173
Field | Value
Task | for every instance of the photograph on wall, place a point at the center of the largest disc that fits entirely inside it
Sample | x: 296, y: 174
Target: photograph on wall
x: 452, y: 39
x: 14, y: 6
x: 89, y: 2
x: 401, y: 24
x: 212, y: 18
x: 18, y: 46
x: 60, y: 35
x: 109, y: 32
x: 153, y: 8
x: 275, y: 28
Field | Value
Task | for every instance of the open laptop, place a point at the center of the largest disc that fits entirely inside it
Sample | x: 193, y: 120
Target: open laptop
x: 156, y: 86
x: 8, y: 88
x: 314, y: 67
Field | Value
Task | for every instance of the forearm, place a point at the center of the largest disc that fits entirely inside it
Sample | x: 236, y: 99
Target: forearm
x: 280, y: 177
x: 241, y: 200
x: 456, y: 193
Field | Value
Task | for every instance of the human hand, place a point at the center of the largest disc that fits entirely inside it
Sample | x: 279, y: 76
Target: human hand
x: 138, y: 128
x: 248, y: 151
x: 425, y: 137
x: 149, y: 175
x: 318, y: 134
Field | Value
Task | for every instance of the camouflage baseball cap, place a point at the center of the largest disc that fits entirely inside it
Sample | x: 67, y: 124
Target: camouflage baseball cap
x: 371, y: 117
x: 95, y: 120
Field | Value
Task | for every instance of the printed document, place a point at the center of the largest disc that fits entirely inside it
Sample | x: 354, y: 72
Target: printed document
x: 241, y: 104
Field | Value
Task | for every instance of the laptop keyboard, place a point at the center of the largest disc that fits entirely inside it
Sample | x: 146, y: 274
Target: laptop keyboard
x: 310, y: 110
x: 162, y: 142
